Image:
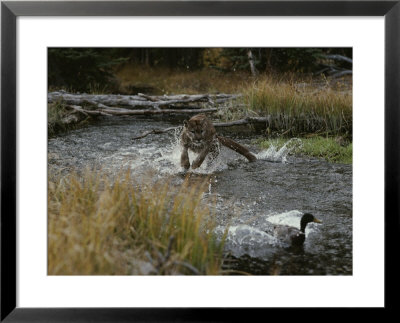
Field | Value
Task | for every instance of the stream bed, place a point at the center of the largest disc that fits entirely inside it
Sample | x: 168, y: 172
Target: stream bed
x: 249, y: 198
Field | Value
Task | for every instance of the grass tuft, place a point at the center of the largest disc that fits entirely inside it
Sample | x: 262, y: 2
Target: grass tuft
x: 98, y: 227
x: 298, y: 108
x: 55, y: 113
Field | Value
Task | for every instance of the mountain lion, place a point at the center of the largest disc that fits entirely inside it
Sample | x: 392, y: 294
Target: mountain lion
x: 199, y: 136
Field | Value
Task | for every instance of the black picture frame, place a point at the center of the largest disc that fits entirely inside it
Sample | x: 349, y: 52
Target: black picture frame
x: 11, y: 10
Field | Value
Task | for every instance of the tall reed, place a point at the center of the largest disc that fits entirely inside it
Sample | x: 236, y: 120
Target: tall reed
x: 295, y: 110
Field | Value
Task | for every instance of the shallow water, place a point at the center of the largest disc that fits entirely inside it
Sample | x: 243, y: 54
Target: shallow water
x: 249, y: 198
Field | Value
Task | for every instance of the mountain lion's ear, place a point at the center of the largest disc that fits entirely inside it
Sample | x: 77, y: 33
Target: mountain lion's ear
x: 185, y: 123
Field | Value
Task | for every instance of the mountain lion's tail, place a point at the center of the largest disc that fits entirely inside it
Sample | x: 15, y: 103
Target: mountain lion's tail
x: 237, y: 147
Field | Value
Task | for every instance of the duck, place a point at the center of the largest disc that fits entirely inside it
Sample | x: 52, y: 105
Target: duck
x: 294, y: 236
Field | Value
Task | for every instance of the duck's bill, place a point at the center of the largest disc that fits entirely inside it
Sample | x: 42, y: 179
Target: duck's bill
x: 317, y: 221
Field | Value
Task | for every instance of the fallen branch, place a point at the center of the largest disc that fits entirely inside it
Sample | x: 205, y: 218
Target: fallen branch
x: 153, y: 112
x: 342, y: 73
x: 193, y: 269
x: 147, y: 97
x: 240, y: 122
x: 192, y: 97
x: 340, y: 58
x: 154, y: 131
x: 88, y: 112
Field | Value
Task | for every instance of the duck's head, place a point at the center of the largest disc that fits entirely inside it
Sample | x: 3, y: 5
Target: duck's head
x: 307, y: 218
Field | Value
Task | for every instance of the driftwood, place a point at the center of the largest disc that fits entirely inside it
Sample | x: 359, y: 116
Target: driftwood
x: 78, y: 108
x: 340, y: 58
x: 334, y: 70
x: 140, y: 101
x: 94, y: 99
x: 342, y: 73
x: 127, y: 112
x: 94, y: 105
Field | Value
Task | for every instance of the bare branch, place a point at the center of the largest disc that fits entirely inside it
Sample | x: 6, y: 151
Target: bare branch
x: 248, y: 120
x: 154, y: 131
x: 241, y: 122
x: 340, y: 58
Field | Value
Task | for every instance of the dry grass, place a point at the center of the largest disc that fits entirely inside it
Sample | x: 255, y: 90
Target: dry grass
x: 98, y: 227
x: 295, y: 105
x: 300, y: 108
x: 55, y: 113
x: 167, y: 81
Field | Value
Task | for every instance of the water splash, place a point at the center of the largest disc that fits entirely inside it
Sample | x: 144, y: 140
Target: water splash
x: 276, y: 154
x: 290, y: 218
x: 259, y: 241
x: 243, y: 239
x: 164, y: 160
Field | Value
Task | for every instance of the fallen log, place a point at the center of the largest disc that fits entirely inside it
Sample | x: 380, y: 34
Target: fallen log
x: 94, y: 99
x: 139, y: 101
x: 120, y: 111
x: 192, y: 97
x: 181, y: 97
x: 152, y: 112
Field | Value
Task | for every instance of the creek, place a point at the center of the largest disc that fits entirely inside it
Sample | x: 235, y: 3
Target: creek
x: 249, y: 198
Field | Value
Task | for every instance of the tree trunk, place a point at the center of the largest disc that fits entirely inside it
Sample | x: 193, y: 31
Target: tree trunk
x: 253, y: 69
